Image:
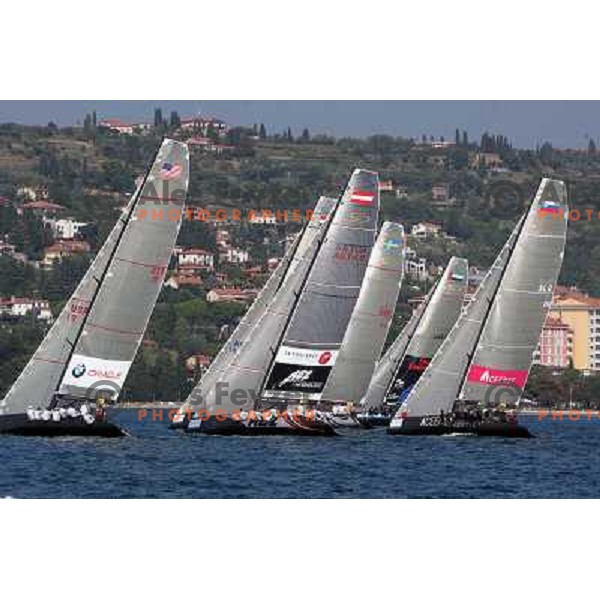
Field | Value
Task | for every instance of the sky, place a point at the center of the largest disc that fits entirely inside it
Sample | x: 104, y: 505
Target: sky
x: 565, y: 124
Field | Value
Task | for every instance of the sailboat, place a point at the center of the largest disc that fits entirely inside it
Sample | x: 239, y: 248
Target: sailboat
x: 367, y: 330
x: 411, y: 352
x: 78, y: 370
x: 292, y: 349
x: 484, y: 362
x: 294, y: 263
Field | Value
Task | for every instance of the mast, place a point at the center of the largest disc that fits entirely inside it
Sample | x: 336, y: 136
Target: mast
x: 102, y: 277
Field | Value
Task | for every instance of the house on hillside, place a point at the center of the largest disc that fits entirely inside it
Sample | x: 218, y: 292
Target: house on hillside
x: 440, y: 192
x: 231, y: 295
x: 43, y: 207
x: 65, y: 229
x: 484, y: 159
x: 62, y: 249
x: 426, y: 229
x: 195, y: 258
x: 234, y: 256
x: 21, y: 307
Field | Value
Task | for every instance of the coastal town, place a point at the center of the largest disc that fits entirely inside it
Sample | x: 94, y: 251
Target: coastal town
x: 444, y: 191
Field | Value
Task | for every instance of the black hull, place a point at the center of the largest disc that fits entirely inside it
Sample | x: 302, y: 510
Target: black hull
x: 21, y: 425
x: 476, y: 428
x: 296, y: 427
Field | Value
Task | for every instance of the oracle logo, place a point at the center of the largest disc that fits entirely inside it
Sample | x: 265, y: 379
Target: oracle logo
x: 104, y: 374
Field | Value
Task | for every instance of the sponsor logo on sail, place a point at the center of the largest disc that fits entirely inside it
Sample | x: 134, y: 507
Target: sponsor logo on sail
x: 296, y: 377
x: 78, y: 370
x: 305, y: 357
x: 104, y: 373
x: 350, y: 252
x: 492, y: 376
x: 419, y: 365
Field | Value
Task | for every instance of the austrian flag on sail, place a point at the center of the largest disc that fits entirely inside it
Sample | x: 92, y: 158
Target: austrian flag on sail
x: 362, y: 197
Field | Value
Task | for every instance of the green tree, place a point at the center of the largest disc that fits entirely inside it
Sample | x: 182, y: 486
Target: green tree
x: 158, y: 118
x: 591, y: 147
x: 174, y: 121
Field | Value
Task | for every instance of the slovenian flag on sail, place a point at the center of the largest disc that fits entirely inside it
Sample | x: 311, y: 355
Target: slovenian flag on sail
x: 550, y: 206
x: 362, y: 198
x: 170, y: 171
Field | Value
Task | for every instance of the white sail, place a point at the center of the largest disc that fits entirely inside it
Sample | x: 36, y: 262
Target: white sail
x: 514, y: 323
x: 39, y: 380
x: 319, y: 318
x: 370, y: 322
x: 115, y: 324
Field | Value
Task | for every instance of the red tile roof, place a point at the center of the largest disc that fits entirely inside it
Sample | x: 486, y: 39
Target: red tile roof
x: 43, y: 205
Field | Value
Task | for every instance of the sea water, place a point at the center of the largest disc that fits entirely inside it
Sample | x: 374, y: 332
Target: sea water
x: 154, y: 462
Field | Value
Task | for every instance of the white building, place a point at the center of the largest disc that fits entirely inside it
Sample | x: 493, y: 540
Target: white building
x: 196, y: 258
x: 234, y: 256
x: 417, y: 268
x: 21, y: 307
x: 426, y: 229
x: 65, y: 229
x: 260, y: 218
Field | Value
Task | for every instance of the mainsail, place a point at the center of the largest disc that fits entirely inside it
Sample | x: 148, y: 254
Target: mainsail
x: 493, y: 341
x: 405, y: 361
x: 512, y: 328
x: 314, y: 333
x: 371, y: 319
x: 243, y: 360
x: 94, y: 339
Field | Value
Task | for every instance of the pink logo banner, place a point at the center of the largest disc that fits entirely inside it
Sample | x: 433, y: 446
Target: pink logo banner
x: 492, y: 376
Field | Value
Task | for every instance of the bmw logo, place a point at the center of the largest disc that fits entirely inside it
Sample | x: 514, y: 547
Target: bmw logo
x: 78, y: 370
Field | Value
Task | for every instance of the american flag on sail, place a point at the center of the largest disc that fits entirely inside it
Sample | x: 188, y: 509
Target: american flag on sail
x: 170, y: 171
x: 362, y: 197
